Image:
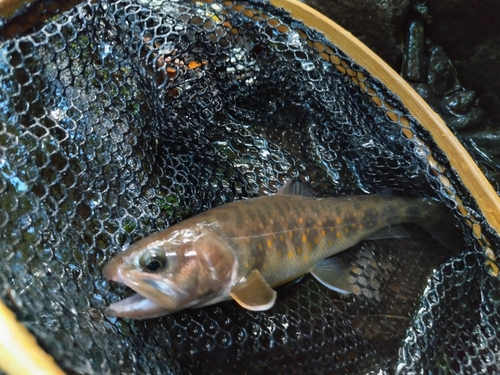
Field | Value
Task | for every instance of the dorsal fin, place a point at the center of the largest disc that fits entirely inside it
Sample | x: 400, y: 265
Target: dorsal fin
x: 295, y: 187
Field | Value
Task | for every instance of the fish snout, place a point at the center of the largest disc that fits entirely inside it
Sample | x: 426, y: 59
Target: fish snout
x: 110, y: 270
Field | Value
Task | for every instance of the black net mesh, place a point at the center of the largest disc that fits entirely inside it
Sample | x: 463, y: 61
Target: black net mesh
x: 120, y: 119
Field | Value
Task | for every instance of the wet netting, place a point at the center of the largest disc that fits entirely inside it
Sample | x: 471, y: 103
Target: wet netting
x: 119, y: 119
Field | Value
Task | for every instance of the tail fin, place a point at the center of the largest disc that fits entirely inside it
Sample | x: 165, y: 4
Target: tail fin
x: 442, y: 225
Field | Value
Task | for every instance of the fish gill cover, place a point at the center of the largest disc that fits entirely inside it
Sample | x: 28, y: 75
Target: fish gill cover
x: 121, y: 118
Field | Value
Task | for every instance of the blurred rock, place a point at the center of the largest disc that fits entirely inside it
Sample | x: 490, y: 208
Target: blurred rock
x: 440, y: 73
x: 468, y: 30
x: 413, y: 57
x: 461, y: 102
x: 462, y: 112
x: 376, y: 23
x: 439, y: 85
x: 449, y: 50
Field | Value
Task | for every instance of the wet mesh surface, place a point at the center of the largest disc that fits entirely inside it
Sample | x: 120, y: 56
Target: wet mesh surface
x: 118, y: 120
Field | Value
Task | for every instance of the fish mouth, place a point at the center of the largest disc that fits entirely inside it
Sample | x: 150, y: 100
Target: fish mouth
x: 135, y: 307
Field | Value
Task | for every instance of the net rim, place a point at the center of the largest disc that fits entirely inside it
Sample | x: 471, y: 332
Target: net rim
x: 19, y: 351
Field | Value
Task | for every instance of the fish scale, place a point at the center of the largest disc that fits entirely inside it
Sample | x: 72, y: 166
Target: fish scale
x: 265, y: 251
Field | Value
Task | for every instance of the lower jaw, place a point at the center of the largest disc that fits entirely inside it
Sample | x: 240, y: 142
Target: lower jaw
x: 136, y: 307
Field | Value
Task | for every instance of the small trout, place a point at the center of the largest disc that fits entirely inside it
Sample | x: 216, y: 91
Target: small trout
x: 244, y: 249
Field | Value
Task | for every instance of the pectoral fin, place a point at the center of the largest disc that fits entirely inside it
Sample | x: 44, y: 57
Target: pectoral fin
x: 254, y: 293
x: 333, y: 274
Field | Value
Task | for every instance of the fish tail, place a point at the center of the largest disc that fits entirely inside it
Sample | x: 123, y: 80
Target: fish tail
x: 440, y: 223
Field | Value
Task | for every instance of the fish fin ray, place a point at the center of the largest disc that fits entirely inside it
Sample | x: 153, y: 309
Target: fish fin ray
x: 254, y: 293
x: 394, y: 231
x: 290, y: 283
x: 295, y: 187
x: 334, y: 274
x: 443, y: 226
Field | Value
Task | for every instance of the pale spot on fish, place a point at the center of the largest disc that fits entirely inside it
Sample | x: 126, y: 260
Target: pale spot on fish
x: 346, y: 229
x: 304, y: 238
x: 339, y: 234
x: 360, y: 226
x: 247, y: 240
x: 290, y: 234
x: 338, y: 220
x: 310, y: 246
x: 323, y: 233
x: 282, y: 238
x: 261, y: 226
x: 260, y: 247
x: 299, y: 250
x: 330, y: 243
x: 290, y: 254
x: 306, y: 257
x: 269, y: 243
x: 280, y: 253
x: 316, y: 240
x: 301, y: 220
x: 308, y: 231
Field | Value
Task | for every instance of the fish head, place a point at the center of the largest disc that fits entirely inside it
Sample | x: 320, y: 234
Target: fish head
x: 171, y: 273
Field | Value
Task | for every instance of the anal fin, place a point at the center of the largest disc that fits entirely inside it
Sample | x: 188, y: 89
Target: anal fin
x: 254, y: 293
x: 334, y: 274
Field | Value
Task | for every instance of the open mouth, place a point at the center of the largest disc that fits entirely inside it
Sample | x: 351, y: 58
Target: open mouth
x: 135, y: 307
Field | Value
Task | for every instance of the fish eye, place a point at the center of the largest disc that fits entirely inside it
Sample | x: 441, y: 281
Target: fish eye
x: 153, y: 260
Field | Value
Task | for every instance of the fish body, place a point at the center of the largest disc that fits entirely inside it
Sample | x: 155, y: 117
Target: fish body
x: 244, y: 249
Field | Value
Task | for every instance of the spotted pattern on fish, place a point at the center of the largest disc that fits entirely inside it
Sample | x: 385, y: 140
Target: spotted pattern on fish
x: 302, y: 230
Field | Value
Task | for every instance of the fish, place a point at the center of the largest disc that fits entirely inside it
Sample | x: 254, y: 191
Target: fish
x: 244, y: 250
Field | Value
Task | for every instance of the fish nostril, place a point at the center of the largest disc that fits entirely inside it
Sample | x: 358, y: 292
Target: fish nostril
x: 110, y: 271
